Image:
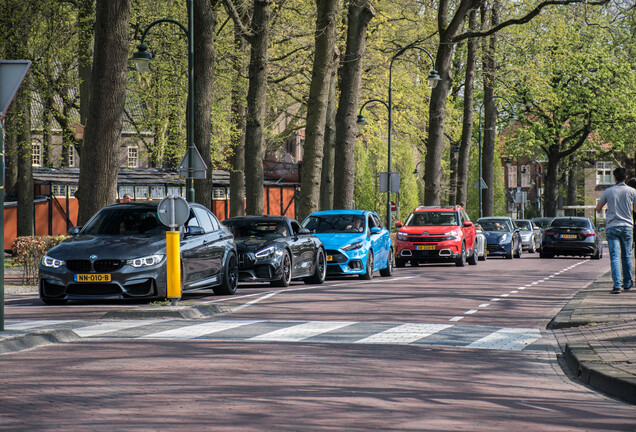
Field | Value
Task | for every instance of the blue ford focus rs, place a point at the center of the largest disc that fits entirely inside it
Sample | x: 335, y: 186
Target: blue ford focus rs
x: 356, y: 242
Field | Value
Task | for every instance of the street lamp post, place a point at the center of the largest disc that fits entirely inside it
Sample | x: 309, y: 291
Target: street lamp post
x: 432, y: 79
x: 481, y: 185
x: 142, y: 58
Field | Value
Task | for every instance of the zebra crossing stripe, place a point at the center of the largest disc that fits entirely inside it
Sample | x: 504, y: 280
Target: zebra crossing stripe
x: 33, y: 324
x: 511, y: 339
x: 301, y: 331
x: 197, y: 330
x: 404, y: 334
x: 113, y: 326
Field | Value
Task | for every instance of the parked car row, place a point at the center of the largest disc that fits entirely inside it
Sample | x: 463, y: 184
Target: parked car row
x: 121, y: 251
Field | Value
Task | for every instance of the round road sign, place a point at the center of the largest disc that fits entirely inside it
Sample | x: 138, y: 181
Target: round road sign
x: 173, y: 211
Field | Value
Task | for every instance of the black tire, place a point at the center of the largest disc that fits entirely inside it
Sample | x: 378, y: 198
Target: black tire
x: 597, y: 255
x: 368, y: 275
x: 473, y: 259
x: 390, y: 262
x: 531, y: 249
x: 229, y: 281
x: 519, y: 251
x: 286, y: 277
x: 460, y: 261
x: 321, y: 269
x: 399, y: 262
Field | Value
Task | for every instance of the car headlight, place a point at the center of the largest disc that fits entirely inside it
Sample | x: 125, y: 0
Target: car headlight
x: 402, y: 236
x: 451, y: 235
x: 505, y: 238
x: 265, y: 252
x: 145, y: 261
x: 47, y: 261
x: 353, y: 246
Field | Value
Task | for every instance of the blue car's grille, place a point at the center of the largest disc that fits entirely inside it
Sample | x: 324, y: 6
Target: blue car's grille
x: 336, y: 257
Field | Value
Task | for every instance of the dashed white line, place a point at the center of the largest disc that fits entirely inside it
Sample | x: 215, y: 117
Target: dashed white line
x: 483, y: 305
x: 470, y: 312
x: 457, y: 318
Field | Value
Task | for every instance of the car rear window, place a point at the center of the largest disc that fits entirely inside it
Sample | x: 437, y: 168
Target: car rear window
x: 567, y: 222
x: 432, y: 218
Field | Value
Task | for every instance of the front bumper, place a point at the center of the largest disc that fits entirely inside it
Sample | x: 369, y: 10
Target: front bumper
x: 352, y: 262
x: 499, y: 249
x: 440, y: 251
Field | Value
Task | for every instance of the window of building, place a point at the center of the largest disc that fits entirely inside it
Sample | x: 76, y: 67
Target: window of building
x: 218, y: 193
x: 36, y: 154
x: 604, y: 173
x: 174, y: 190
x: 133, y: 157
x: 71, y: 156
x: 123, y: 190
x: 71, y: 190
x: 523, y: 180
x: 141, y: 192
x: 58, y: 190
x: 157, y: 192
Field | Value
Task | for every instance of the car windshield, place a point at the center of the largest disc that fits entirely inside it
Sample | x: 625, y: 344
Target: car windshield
x: 495, y: 225
x: 125, y: 220
x: 335, y: 223
x: 432, y: 218
x: 524, y: 225
x: 567, y: 222
x: 258, y: 229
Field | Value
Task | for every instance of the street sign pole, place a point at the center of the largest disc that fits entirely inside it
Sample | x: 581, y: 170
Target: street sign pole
x: 12, y: 73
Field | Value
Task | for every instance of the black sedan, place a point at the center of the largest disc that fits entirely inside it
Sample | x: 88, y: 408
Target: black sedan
x: 277, y: 249
x: 573, y: 236
x: 121, y: 253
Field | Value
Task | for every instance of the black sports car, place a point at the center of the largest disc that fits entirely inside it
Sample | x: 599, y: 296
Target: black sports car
x: 573, y: 236
x: 277, y: 249
x: 121, y: 253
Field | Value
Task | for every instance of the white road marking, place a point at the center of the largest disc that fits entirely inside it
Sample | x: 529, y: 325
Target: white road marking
x: 404, y: 334
x: 470, y: 312
x: 494, y: 299
x: 504, y: 295
x: 508, y: 339
x: 194, y: 331
x: 457, y: 318
x: 111, y: 326
x: 250, y: 303
x: 301, y: 331
x: 483, y: 305
x: 34, y: 324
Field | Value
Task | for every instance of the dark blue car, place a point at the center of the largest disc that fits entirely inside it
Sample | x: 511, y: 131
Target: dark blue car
x: 502, y: 236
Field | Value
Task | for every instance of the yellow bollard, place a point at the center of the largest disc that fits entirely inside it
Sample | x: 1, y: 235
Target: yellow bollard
x: 173, y: 265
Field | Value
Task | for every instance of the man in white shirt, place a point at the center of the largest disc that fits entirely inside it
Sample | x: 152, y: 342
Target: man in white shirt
x: 621, y: 202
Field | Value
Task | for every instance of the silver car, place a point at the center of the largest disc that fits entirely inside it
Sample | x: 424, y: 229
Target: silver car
x: 480, y: 243
x: 530, y: 235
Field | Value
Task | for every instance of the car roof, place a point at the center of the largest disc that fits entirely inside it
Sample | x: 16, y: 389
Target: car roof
x: 136, y: 204
x: 572, y: 218
x: 340, y: 212
x: 265, y: 218
x: 437, y: 208
x: 494, y: 218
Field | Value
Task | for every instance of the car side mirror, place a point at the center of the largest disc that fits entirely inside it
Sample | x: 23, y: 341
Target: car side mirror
x: 304, y: 231
x: 398, y: 225
x: 376, y: 230
x: 468, y: 223
x: 75, y: 230
x: 194, y: 231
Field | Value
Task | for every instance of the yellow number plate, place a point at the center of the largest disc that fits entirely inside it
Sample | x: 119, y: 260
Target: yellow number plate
x: 425, y: 247
x: 329, y: 258
x: 569, y: 236
x: 92, y: 278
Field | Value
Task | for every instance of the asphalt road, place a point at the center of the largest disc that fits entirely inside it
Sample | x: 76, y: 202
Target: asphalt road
x: 433, y: 348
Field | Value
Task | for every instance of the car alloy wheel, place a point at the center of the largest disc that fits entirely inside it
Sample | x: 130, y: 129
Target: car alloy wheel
x: 368, y: 275
x: 321, y: 269
x: 229, y: 281
x: 388, y: 270
x: 286, y: 268
x: 461, y: 259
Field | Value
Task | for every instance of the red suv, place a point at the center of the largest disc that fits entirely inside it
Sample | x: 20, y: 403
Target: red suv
x: 434, y: 234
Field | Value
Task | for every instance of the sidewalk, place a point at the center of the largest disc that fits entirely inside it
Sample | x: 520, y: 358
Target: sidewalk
x: 596, y: 332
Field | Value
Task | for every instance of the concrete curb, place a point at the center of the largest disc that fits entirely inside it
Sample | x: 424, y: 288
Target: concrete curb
x: 164, y: 312
x: 587, y: 367
x: 563, y: 319
x: 21, y: 342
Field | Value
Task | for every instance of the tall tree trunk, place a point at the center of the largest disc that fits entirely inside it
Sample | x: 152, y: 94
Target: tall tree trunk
x: 85, y: 26
x: 204, y: 70
x: 467, y: 125
x: 551, y: 192
x: 256, y: 106
x: 452, y: 184
x: 100, y: 156
x: 490, y: 115
x: 437, y: 121
x: 359, y: 15
x: 237, y: 160
x: 24, y: 187
x: 572, y: 198
x: 325, y: 42
x: 328, y: 160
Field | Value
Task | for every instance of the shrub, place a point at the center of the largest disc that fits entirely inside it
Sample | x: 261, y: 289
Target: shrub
x: 29, y: 250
